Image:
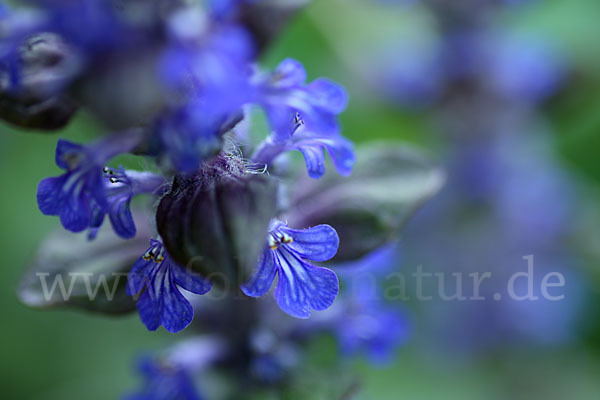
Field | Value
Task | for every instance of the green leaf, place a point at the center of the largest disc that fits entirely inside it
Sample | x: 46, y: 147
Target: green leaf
x: 389, y: 183
x: 71, y: 271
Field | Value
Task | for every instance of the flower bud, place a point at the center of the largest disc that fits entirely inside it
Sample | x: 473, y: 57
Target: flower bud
x: 30, y: 94
x: 215, y: 220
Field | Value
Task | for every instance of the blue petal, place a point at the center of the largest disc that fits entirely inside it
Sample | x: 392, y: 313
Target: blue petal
x: 328, y: 95
x: 314, y: 159
x: 95, y: 186
x: 190, y: 281
x: 75, y: 213
x: 319, y: 243
x: 148, y: 310
x: 290, y: 73
x: 302, y: 286
x: 140, y: 275
x: 280, y: 120
x: 342, y: 155
x: 263, y: 279
x: 339, y: 148
x: 162, y: 303
x: 315, y: 117
x: 97, y: 215
x: 50, y: 195
x: 67, y: 154
x: 176, y: 312
x: 121, y: 218
x: 96, y: 219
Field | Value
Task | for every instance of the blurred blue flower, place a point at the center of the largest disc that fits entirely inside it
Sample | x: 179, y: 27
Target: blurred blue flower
x: 524, y: 69
x: 95, y: 27
x: 364, y: 322
x: 507, y: 198
x: 189, y: 135
x: 301, y: 285
x: 373, y: 328
x: 207, y: 68
x: 15, y: 27
x: 285, y: 96
x: 409, y: 73
x: 161, y: 303
x: 164, y: 381
x: 529, y: 178
x: 207, y: 62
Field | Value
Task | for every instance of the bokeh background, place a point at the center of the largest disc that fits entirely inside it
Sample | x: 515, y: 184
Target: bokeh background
x: 506, y: 97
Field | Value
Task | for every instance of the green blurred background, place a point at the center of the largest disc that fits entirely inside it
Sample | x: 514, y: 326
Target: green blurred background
x: 72, y: 355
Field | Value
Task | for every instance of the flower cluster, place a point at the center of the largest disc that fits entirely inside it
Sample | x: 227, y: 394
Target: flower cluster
x: 203, y: 76
x: 178, y: 83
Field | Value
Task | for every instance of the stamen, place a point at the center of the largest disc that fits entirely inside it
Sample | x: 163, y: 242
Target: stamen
x: 273, y: 244
x: 161, y: 256
x: 298, y: 119
x: 148, y: 255
x: 285, y: 238
x: 115, y: 175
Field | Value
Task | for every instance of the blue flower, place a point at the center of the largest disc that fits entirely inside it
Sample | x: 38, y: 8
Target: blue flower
x: 371, y: 327
x: 71, y: 194
x: 93, y: 26
x: 284, y: 95
x: 312, y: 146
x: 524, y: 69
x: 301, y: 286
x: 16, y: 27
x: 364, y: 322
x: 189, y: 135
x: 77, y: 194
x: 208, y: 68
x: 120, y: 187
x: 304, y: 118
x: 164, y: 381
x: 204, y: 61
x: 161, y: 303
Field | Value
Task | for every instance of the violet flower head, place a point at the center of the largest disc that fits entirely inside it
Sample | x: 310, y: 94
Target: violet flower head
x: 160, y: 280
x: 301, y: 286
